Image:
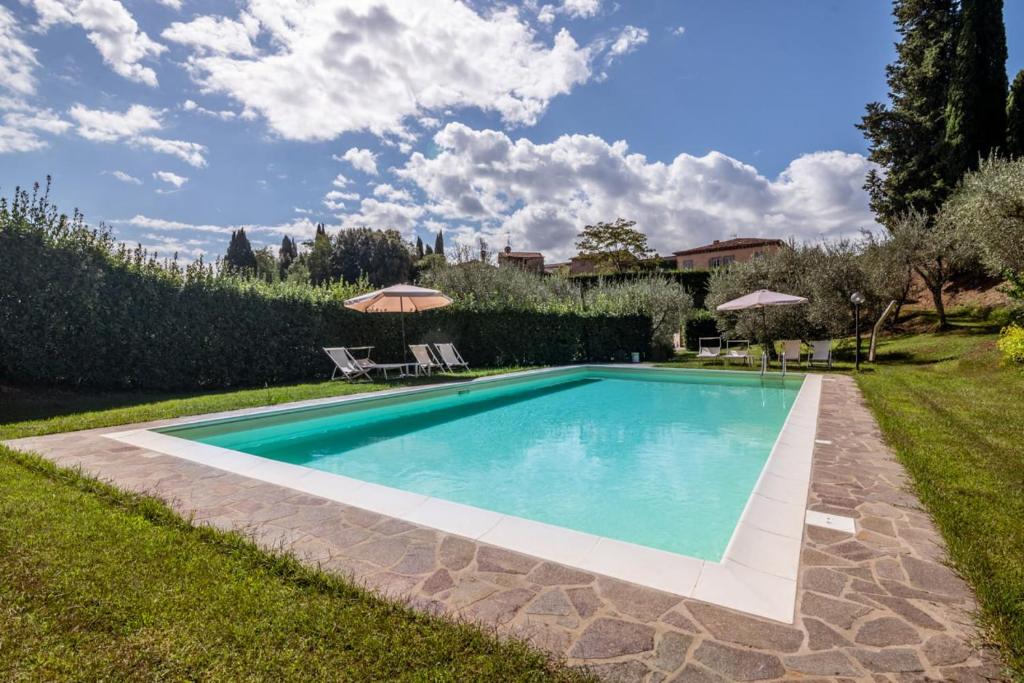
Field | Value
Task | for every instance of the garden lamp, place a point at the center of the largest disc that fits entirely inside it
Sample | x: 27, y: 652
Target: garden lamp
x: 857, y: 299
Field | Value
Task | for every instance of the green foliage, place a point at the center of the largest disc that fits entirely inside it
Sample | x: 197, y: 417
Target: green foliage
x: 240, y: 257
x: 613, y: 247
x: 1011, y: 344
x: 266, y: 265
x: 661, y: 300
x: 699, y: 324
x: 477, y: 286
x: 907, y: 137
x: 381, y: 256
x: 75, y: 310
x: 419, y: 248
x: 286, y: 256
x: 976, y: 105
x: 439, y: 244
x: 1015, y: 118
x: 695, y: 282
x: 319, y: 260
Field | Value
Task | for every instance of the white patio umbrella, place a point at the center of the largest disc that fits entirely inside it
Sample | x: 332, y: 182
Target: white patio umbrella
x: 399, y: 299
x: 762, y: 298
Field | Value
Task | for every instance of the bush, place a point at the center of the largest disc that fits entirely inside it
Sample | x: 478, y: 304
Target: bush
x: 1011, y: 344
x: 693, y: 281
x: 699, y: 324
x: 76, y: 310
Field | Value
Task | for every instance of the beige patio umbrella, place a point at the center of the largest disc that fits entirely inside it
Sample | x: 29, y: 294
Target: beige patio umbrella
x: 762, y: 298
x: 399, y: 299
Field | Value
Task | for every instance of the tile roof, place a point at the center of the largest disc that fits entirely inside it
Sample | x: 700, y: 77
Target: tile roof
x: 736, y: 243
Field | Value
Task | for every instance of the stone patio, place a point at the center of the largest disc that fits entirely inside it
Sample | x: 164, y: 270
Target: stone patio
x: 876, y: 606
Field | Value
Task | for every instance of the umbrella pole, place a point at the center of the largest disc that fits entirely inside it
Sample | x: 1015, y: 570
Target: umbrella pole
x: 401, y: 307
x: 764, y: 342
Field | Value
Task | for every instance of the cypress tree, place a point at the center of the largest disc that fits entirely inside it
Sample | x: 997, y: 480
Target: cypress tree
x: 428, y: 250
x: 439, y: 243
x: 907, y: 136
x: 320, y: 257
x: 286, y: 255
x: 240, y: 256
x: 1015, y: 118
x: 976, y: 107
x: 419, y: 247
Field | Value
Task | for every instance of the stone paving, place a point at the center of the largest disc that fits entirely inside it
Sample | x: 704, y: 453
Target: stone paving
x: 876, y: 606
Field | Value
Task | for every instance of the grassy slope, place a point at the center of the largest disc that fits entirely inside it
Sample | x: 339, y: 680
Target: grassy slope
x: 96, y: 584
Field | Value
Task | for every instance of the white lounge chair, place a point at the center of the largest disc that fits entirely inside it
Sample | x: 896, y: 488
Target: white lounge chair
x: 790, y: 352
x: 821, y: 352
x: 450, y: 357
x: 350, y: 368
x: 738, y: 349
x: 709, y: 347
x: 425, y: 359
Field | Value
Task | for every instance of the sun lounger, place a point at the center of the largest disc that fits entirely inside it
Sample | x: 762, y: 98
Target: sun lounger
x: 790, y: 352
x: 709, y: 347
x: 450, y: 357
x: 821, y: 352
x: 425, y: 359
x: 344, y: 362
x: 738, y: 349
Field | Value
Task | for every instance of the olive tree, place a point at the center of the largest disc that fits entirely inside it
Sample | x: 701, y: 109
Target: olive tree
x: 665, y: 302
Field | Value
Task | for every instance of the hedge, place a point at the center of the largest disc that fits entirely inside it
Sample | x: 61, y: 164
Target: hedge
x: 700, y: 324
x: 695, y: 281
x: 73, y: 312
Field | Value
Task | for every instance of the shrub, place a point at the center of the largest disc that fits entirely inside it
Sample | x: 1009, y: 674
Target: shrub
x: 693, y: 281
x: 1011, y: 344
x: 699, y: 324
x: 76, y: 310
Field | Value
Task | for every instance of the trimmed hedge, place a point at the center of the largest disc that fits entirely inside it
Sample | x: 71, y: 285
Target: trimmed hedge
x: 701, y: 324
x: 72, y: 312
x: 695, y: 281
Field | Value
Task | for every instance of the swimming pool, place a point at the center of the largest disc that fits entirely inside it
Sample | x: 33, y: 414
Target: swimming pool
x: 666, y: 460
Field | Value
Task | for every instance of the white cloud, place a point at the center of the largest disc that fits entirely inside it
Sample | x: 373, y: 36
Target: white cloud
x: 21, y: 125
x: 678, y: 30
x: 107, y: 126
x: 17, y: 59
x: 334, y: 66
x: 111, y: 28
x: 100, y: 125
x: 214, y: 35
x: 171, y: 178
x: 14, y: 140
x: 45, y: 120
x: 126, y: 177
x: 222, y: 114
x: 581, y: 8
x: 393, y: 194
x: 383, y: 216
x: 260, y: 235
x: 340, y: 181
x: 173, y: 4
x: 361, y: 159
x: 543, y: 194
x: 628, y: 41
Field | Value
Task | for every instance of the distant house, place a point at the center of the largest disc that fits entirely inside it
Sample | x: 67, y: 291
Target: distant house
x: 532, y: 261
x: 723, y: 252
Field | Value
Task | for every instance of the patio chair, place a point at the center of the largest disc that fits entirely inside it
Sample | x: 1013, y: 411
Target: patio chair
x: 821, y: 352
x: 790, y: 352
x: 709, y: 347
x: 350, y: 368
x: 450, y: 357
x: 425, y: 359
x: 738, y: 349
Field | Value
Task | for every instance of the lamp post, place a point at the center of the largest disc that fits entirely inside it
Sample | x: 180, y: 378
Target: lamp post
x: 857, y: 298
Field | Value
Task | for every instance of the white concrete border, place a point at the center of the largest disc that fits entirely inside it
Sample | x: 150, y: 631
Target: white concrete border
x: 757, y: 573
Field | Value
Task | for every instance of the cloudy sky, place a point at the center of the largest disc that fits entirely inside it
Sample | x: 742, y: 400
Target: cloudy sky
x: 174, y: 121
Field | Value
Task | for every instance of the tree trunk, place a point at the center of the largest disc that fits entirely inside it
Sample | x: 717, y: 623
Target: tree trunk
x: 940, y: 308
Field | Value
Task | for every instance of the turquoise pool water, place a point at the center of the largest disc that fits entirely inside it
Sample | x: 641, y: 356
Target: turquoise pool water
x: 661, y: 458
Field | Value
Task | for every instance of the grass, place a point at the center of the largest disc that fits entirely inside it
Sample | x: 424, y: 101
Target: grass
x: 98, y: 584
x: 35, y: 412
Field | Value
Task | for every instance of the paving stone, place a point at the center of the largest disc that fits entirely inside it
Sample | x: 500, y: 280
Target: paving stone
x: 552, y: 602
x: 391, y: 526
x: 738, y: 664
x: 384, y: 551
x: 344, y: 537
x: 585, y: 600
x: 391, y: 585
x: 456, y: 553
x: 491, y: 559
x: 467, y: 591
x: 693, y: 673
x: 551, y: 574
x: 499, y: 608
x: 680, y: 621
x: 638, y: 602
x: 887, y: 631
x: 879, y: 525
x: 363, y: 518
x: 832, y: 663
x: 734, y: 627
x: 632, y: 671
x: 933, y: 577
x: 547, y: 637
x: 826, y: 536
x: 418, y: 559
x: 670, y: 654
x: 903, y: 608
x: 889, y: 568
x: 943, y: 650
x: 839, y: 613
x: 438, y: 581
x: 896, y: 660
x: 606, y: 638
x: 822, y: 637
x: 809, y: 557
x: 824, y: 580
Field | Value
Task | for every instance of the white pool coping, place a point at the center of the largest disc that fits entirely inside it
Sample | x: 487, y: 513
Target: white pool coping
x: 757, y: 573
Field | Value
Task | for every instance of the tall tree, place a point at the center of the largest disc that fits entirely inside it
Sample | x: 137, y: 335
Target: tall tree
x: 240, y: 257
x: 1015, y: 118
x: 319, y: 262
x: 379, y: 255
x: 419, y: 247
x: 976, y: 106
x: 907, y: 136
x: 286, y: 255
x: 613, y: 247
x: 439, y: 243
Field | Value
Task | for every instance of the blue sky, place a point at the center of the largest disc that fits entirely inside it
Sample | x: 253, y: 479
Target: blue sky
x: 177, y: 120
